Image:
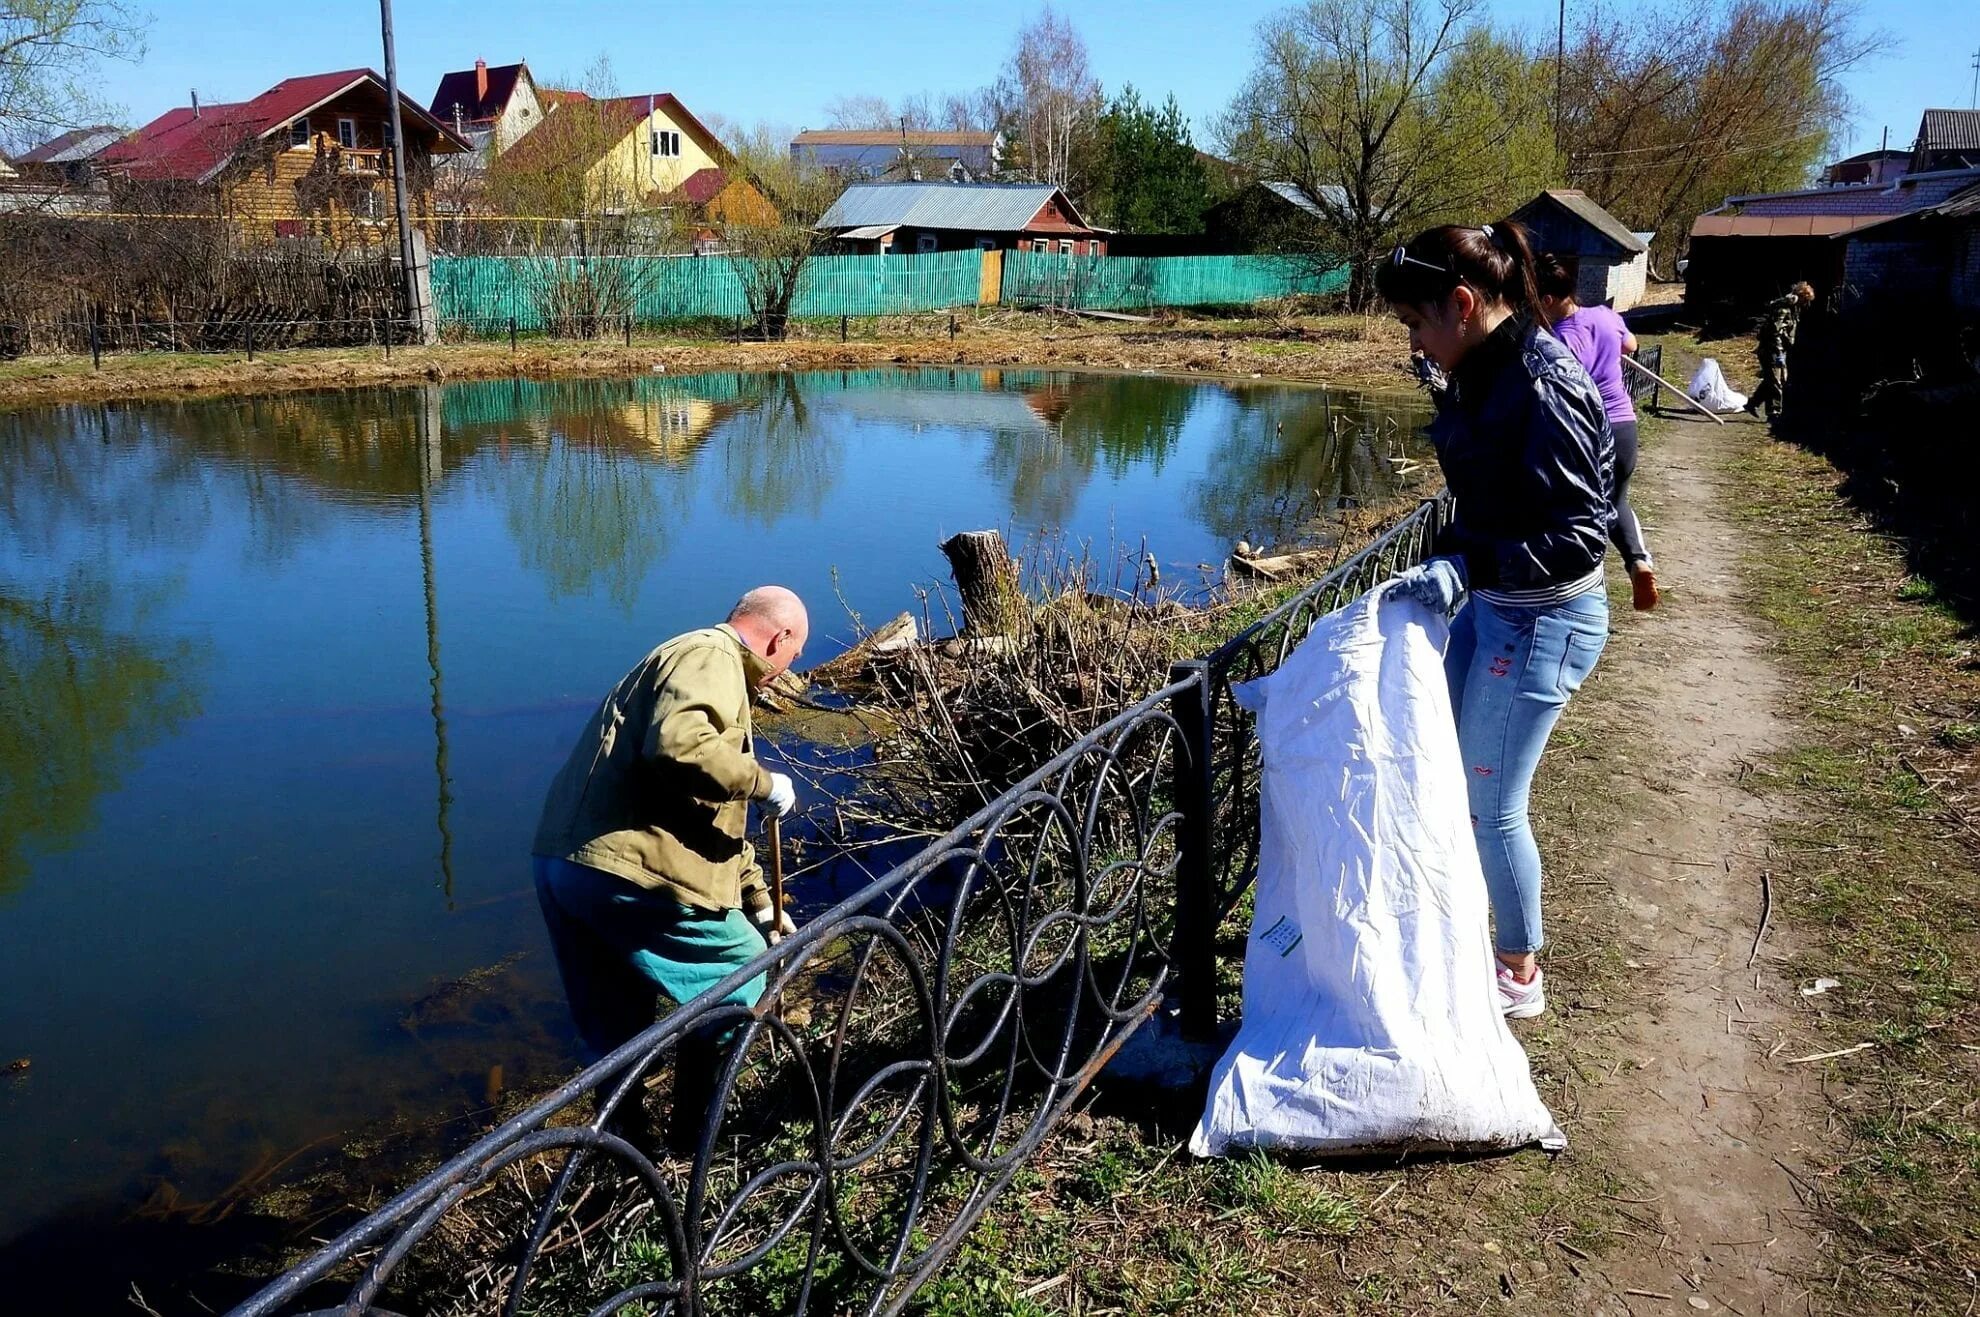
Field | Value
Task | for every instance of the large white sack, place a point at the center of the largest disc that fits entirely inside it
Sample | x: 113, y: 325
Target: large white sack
x: 1709, y: 387
x: 1371, y: 1016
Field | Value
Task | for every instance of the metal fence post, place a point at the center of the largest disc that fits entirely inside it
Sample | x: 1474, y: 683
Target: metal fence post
x: 95, y: 347
x: 512, y: 334
x: 1195, y: 939
x: 628, y: 329
x: 842, y: 329
x: 250, y: 340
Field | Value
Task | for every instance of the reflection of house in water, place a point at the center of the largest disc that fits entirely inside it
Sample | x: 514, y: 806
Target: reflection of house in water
x: 673, y: 426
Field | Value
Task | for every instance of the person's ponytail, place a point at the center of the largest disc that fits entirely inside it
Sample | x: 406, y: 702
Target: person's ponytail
x: 1496, y: 261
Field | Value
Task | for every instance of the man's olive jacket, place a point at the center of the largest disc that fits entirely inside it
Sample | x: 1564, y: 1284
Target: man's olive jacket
x: 657, y: 788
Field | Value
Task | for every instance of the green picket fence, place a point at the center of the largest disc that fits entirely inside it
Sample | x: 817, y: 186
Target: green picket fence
x: 1126, y: 282
x: 483, y: 293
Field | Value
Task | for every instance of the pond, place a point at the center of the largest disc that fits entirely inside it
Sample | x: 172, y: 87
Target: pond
x: 283, y: 680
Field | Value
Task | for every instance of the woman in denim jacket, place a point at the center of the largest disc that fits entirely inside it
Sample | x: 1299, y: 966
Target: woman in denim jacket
x: 1526, y: 450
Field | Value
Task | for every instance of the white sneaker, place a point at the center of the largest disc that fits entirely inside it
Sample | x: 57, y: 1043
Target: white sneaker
x: 1520, y: 1001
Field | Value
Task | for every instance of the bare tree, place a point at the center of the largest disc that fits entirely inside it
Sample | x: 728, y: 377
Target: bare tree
x: 49, y: 50
x: 860, y: 113
x: 581, y: 213
x: 1052, y: 102
x: 1390, y: 115
x: 1669, y: 108
x: 770, y: 252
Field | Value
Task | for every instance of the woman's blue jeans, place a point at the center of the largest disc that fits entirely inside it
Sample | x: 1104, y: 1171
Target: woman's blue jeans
x: 1511, y: 671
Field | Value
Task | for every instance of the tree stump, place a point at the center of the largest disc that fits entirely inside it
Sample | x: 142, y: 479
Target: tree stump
x: 987, y: 580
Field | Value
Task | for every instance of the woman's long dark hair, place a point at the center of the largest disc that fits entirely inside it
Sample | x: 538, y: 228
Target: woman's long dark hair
x: 1495, y: 261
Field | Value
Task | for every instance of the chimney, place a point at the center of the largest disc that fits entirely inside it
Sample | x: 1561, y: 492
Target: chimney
x: 195, y: 96
x: 481, y: 80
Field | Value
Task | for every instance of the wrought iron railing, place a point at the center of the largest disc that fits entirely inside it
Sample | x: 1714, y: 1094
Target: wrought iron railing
x: 912, y: 1049
x: 1647, y: 390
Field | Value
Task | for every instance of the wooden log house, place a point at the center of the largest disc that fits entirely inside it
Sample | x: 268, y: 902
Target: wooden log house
x: 306, y: 159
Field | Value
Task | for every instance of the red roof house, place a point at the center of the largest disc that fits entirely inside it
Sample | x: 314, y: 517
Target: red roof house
x: 306, y: 156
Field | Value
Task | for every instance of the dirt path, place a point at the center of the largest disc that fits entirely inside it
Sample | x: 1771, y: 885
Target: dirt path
x: 1700, y: 1112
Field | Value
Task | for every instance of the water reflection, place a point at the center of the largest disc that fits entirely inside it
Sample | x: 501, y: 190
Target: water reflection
x: 294, y: 671
x: 83, y: 688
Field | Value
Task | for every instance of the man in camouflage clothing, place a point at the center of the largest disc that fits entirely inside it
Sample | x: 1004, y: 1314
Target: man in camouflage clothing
x: 1777, y: 329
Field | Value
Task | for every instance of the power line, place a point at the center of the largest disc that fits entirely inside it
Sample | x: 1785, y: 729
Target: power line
x: 1692, y: 143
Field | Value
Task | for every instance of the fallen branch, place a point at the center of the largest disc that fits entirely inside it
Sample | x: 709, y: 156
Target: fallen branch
x: 1829, y: 1056
x: 1766, y: 914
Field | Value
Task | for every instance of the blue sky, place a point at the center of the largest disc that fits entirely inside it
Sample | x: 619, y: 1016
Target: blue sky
x: 781, y: 61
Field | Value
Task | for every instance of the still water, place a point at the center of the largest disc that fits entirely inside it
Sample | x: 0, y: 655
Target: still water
x: 282, y: 680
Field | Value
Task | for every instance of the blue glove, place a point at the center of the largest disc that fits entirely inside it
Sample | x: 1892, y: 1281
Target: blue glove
x: 1438, y: 583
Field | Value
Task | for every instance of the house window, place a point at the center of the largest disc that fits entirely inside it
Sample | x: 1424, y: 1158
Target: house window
x: 925, y: 242
x: 986, y: 244
x: 299, y: 132
x: 347, y: 133
x: 666, y: 143
x: 1065, y: 246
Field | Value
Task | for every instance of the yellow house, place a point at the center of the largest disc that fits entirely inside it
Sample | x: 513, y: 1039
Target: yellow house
x: 616, y: 154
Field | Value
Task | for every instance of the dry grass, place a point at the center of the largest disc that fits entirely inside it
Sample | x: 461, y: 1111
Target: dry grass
x: 1883, y: 866
x: 1337, y: 349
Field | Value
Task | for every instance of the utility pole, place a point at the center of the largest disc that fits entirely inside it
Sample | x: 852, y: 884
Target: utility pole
x: 399, y: 162
x: 1560, y: 68
x: 1973, y: 97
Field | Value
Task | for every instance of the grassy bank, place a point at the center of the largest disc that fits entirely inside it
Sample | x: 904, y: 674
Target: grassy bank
x: 1354, y: 351
x: 1115, y: 1216
x: 1880, y: 873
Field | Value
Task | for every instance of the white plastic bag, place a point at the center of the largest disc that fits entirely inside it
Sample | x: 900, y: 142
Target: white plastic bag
x: 1371, y: 1015
x: 1709, y: 387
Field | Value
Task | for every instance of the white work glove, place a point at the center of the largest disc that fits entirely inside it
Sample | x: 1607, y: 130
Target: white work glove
x: 775, y: 925
x: 1438, y: 583
x: 783, y: 794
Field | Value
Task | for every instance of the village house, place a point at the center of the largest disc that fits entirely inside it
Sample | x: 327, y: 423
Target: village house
x: 306, y: 158
x: 1611, y: 264
x: 69, y: 160
x: 625, y: 154
x: 1273, y: 216
x: 930, y: 217
x: 1922, y: 263
x: 1752, y: 248
x: 488, y: 108
x: 1947, y: 139
x: 902, y: 155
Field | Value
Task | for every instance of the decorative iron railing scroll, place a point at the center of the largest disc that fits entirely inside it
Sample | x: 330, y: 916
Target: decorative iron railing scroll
x: 1257, y: 651
x: 913, y: 1047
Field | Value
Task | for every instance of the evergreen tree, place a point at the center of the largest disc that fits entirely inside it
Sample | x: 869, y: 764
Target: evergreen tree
x: 1151, y: 178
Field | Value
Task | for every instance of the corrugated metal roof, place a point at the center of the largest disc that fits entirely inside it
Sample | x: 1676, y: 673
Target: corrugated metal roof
x: 72, y: 147
x: 1950, y: 130
x: 1780, y: 226
x: 183, y: 145
x: 1584, y: 208
x: 867, y: 231
x: 978, y: 207
x: 1332, y: 193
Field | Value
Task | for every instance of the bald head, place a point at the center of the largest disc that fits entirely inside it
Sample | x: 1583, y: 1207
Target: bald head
x: 772, y: 621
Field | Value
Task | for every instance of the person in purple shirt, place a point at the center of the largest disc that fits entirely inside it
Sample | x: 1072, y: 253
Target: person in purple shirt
x: 1598, y: 338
